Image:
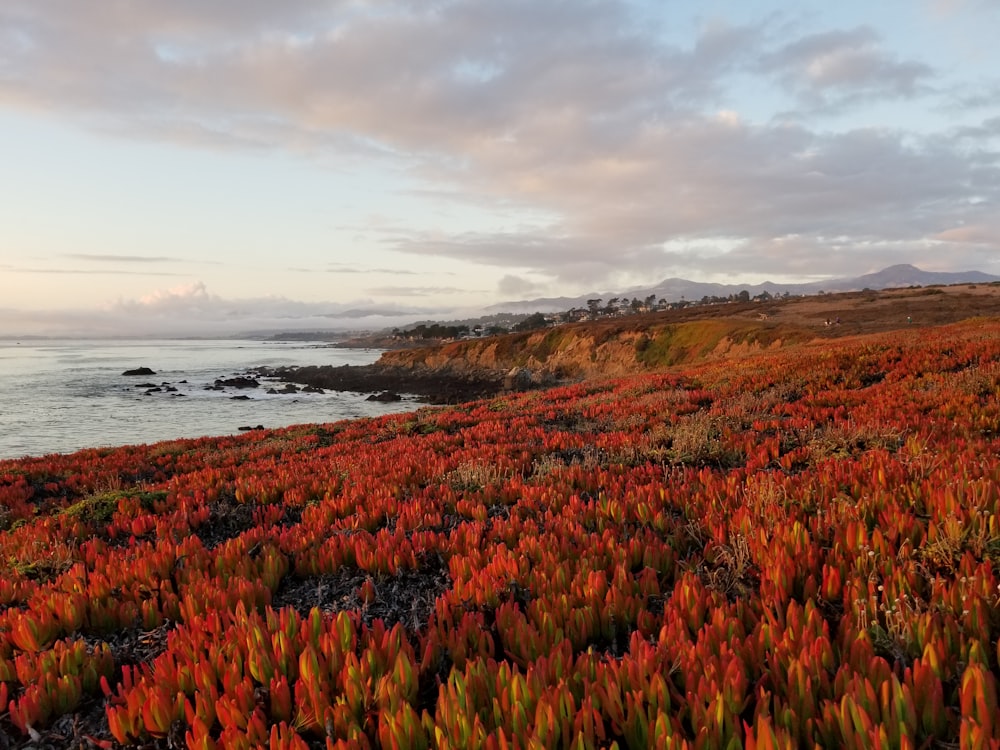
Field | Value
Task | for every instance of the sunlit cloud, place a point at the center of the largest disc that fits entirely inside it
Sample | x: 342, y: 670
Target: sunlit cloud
x: 978, y: 234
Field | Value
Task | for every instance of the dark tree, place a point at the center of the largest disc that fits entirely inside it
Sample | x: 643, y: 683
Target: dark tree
x: 532, y: 322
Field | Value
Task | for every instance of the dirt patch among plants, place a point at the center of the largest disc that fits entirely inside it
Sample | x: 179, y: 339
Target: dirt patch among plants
x: 406, y: 598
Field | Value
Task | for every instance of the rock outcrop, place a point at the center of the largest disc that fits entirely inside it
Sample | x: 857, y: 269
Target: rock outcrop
x: 385, y: 397
x: 239, y: 381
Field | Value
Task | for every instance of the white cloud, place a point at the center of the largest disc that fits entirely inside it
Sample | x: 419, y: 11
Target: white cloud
x: 191, y: 297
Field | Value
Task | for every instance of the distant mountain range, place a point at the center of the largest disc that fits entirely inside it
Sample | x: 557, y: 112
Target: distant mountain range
x: 675, y: 289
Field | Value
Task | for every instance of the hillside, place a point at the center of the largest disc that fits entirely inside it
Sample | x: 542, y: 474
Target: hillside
x: 606, y: 348
x: 638, y: 343
x: 800, y: 551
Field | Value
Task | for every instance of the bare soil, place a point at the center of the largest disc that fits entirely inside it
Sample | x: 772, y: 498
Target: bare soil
x: 407, y: 597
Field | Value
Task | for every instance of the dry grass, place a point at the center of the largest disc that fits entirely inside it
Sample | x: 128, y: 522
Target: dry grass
x: 696, y: 440
x: 981, y: 381
x: 850, y: 439
x: 767, y: 498
x: 588, y: 458
x: 473, y: 477
x: 955, y: 537
x: 732, y: 571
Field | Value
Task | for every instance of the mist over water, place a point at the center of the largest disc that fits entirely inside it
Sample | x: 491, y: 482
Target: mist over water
x: 61, y: 396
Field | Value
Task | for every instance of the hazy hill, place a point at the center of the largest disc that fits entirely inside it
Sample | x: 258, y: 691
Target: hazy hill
x: 904, y: 275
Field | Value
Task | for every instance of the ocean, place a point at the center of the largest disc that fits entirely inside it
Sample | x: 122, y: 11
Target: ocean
x: 61, y: 396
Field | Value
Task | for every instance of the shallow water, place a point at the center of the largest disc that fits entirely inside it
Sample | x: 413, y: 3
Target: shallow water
x: 61, y: 396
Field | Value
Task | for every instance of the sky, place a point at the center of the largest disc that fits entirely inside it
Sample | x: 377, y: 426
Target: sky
x: 181, y: 166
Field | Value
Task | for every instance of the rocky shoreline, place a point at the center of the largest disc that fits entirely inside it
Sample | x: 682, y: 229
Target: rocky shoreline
x: 431, y: 386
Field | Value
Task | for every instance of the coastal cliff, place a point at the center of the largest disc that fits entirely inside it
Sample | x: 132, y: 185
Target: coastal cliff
x: 584, y: 350
x: 456, y: 371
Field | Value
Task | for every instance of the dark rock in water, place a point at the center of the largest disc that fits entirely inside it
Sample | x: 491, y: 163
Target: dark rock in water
x: 169, y: 389
x: 154, y: 389
x: 175, y: 395
x: 239, y: 398
x: 271, y: 392
x: 139, y: 371
x: 290, y: 388
x: 386, y: 397
x: 145, y: 385
x: 183, y: 381
x: 312, y: 389
x: 238, y: 382
x: 248, y: 428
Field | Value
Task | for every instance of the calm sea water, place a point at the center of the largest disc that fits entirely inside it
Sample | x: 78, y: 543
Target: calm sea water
x: 61, y: 396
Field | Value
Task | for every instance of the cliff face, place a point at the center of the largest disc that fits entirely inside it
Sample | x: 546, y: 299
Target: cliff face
x: 591, y: 349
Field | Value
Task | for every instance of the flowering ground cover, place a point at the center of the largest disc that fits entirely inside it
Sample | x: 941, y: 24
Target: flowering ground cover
x: 792, y: 549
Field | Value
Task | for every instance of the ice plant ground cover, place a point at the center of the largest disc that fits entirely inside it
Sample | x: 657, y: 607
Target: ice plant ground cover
x: 786, y: 550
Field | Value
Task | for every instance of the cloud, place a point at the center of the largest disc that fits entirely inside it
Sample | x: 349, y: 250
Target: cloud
x: 987, y: 129
x: 193, y: 310
x: 982, y: 95
x: 415, y: 291
x: 108, y: 258
x: 945, y: 9
x: 804, y: 257
x: 315, y: 76
x: 708, y: 180
x: 342, y: 268
x: 192, y: 297
x: 835, y: 68
x: 977, y: 234
x: 516, y: 286
x: 89, y: 272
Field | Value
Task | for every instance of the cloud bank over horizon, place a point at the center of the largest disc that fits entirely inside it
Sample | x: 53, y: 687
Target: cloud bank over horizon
x: 192, y: 310
x: 319, y: 150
